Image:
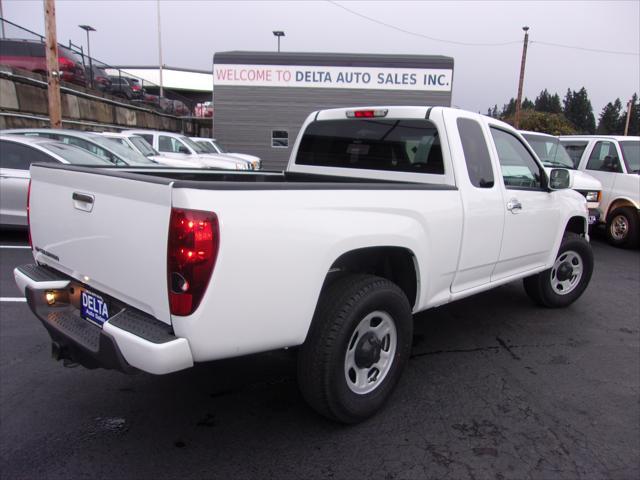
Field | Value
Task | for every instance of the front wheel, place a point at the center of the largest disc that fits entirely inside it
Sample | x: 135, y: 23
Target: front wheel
x: 622, y: 227
x: 563, y: 283
x: 356, y: 349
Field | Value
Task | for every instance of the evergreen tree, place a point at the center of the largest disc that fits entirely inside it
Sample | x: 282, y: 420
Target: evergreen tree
x: 509, y: 109
x: 527, y: 104
x: 545, y: 102
x: 611, y: 122
x: 578, y: 110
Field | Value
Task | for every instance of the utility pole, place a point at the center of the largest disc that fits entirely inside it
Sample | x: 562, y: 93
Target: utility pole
x: 626, y: 124
x: 1, y: 22
x: 516, y: 122
x: 53, y: 70
x: 160, y: 51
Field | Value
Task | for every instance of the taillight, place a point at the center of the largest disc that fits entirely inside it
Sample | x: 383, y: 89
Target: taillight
x: 66, y: 64
x: 135, y: 88
x: 194, y: 238
x: 28, y: 208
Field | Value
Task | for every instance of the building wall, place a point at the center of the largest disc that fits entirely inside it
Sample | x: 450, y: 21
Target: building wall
x: 245, y: 116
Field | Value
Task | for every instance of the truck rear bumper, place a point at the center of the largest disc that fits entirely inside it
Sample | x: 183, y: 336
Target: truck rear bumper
x: 129, y: 340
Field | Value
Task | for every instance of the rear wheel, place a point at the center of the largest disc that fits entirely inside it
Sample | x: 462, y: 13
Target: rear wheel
x: 622, y: 227
x: 566, y: 280
x: 356, y: 349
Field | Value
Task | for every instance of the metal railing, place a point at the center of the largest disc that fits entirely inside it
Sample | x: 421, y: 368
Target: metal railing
x: 100, y: 76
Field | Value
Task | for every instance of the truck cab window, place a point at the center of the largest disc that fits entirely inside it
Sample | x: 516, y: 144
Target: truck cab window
x: 604, y: 158
x: 519, y: 168
x: 476, y: 153
x: 405, y: 145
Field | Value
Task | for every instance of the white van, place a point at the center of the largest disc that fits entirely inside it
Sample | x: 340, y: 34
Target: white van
x: 615, y: 161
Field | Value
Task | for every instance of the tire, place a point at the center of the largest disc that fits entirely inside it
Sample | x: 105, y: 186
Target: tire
x: 562, y: 284
x: 343, y: 370
x: 622, y: 227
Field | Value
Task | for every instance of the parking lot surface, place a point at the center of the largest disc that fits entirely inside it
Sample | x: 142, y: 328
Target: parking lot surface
x: 496, y: 388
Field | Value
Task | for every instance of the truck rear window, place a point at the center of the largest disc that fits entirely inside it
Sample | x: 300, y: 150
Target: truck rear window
x: 373, y: 144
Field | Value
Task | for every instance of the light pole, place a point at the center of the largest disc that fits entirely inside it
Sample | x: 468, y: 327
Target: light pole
x: 278, y: 33
x: 516, y: 121
x: 89, y: 28
x: 160, y: 52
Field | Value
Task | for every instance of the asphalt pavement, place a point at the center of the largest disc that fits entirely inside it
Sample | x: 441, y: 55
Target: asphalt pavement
x: 497, y: 388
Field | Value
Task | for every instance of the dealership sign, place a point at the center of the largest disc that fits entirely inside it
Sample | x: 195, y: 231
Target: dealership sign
x: 431, y: 79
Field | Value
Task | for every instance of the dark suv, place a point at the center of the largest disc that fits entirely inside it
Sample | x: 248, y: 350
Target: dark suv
x: 30, y: 55
x: 126, y: 88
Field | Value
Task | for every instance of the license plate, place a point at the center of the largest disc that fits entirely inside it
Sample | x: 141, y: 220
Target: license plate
x: 592, y: 219
x: 93, y: 308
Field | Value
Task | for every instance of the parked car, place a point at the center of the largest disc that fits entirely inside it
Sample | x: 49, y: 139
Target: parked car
x: 101, y: 80
x: 17, y: 153
x: 92, y: 142
x: 30, y: 55
x: 381, y: 213
x: 178, y: 146
x: 552, y: 154
x: 126, y: 88
x: 212, y: 146
x: 180, y: 109
x: 615, y: 161
x: 140, y: 145
x: 204, y: 110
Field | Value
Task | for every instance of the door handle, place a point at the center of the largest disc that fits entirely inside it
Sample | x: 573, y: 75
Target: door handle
x: 514, y: 205
x: 82, y: 201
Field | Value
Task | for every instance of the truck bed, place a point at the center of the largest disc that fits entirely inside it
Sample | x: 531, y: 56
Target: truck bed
x: 264, y: 180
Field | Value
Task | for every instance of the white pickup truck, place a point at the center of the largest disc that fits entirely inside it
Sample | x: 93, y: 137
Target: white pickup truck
x: 381, y: 213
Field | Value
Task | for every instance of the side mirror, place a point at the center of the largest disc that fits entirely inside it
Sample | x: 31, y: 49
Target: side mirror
x: 183, y: 149
x: 559, y: 179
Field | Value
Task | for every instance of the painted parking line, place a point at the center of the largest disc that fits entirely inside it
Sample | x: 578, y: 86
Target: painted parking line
x: 13, y: 299
x: 16, y: 246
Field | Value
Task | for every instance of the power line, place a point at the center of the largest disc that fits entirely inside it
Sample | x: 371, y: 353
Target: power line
x: 468, y: 44
x: 415, y: 34
x: 575, y: 47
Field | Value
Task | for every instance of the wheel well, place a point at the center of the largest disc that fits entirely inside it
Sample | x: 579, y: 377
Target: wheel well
x: 393, y: 263
x: 576, y: 225
x: 621, y: 202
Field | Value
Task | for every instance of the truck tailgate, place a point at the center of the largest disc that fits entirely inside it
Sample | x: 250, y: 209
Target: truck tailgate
x: 106, y: 231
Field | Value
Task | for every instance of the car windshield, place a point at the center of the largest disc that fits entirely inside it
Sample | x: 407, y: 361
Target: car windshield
x: 220, y: 148
x: 126, y: 154
x: 73, y: 154
x: 143, y: 146
x: 70, y: 54
x: 196, y: 148
x: 550, y: 151
x: 206, y: 145
x: 631, y: 155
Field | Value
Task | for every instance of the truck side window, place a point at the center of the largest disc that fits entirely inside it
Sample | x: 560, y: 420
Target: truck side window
x: 476, y: 153
x: 20, y: 157
x: 575, y: 150
x: 604, y: 158
x: 519, y: 168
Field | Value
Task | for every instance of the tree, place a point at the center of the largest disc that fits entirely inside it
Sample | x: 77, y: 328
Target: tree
x: 508, y: 109
x: 611, y: 123
x: 544, y: 122
x: 527, y: 104
x: 545, y: 102
x: 578, y: 110
x: 493, y: 112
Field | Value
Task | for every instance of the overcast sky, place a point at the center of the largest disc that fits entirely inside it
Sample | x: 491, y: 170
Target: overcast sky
x: 483, y: 75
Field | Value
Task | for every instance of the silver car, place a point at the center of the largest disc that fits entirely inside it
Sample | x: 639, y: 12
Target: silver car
x: 92, y: 142
x: 17, y: 153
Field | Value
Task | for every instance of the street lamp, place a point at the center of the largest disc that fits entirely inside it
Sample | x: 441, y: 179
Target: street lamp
x: 278, y: 33
x: 89, y: 28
